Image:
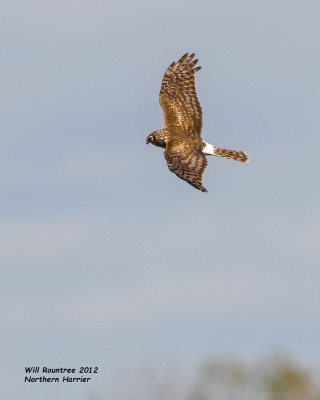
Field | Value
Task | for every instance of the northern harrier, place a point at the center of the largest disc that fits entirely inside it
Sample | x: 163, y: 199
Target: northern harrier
x: 185, y: 150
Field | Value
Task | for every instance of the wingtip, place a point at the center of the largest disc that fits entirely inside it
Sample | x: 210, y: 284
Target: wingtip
x: 188, y: 59
x: 194, y: 62
x: 184, y: 56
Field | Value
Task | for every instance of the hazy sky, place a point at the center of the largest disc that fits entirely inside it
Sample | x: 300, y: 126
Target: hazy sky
x: 107, y: 258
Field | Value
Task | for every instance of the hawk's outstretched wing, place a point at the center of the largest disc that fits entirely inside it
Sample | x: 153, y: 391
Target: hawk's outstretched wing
x: 178, y: 97
x: 186, y: 160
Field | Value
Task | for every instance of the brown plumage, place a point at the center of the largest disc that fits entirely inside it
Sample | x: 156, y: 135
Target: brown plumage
x: 185, y: 150
x: 231, y: 154
x: 185, y: 158
x: 178, y: 97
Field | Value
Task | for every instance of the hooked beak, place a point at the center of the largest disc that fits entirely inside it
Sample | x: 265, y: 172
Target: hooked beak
x: 148, y: 140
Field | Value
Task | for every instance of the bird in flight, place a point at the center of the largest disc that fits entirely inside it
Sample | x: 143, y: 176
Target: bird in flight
x: 185, y: 151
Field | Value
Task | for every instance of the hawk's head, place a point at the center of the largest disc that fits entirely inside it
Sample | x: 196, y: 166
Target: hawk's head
x: 158, y: 138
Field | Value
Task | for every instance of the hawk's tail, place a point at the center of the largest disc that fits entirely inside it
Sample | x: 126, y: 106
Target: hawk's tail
x: 231, y: 154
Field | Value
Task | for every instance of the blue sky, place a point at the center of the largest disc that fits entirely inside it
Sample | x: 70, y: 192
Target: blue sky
x: 107, y: 259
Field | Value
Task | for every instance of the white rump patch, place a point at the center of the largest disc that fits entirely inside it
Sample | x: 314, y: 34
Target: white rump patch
x: 208, y: 149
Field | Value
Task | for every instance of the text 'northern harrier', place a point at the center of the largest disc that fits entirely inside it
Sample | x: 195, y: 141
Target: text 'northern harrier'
x: 185, y: 150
